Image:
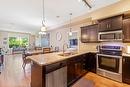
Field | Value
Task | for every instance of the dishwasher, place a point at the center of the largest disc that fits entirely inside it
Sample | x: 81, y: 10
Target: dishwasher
x: 56, y: 74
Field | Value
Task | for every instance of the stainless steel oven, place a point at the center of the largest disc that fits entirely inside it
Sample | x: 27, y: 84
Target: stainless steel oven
x: 110, y: 36
x: 109, y: 62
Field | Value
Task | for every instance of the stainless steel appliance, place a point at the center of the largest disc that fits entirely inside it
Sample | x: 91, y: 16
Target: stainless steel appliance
x: 109, y: 62
x: 56, y: 74
x: 110, y: 36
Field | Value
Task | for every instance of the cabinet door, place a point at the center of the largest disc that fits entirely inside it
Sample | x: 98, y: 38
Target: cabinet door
x: 126, y: 70
x: 111, y: 24
x: 116, y: 23
x: 78, y: 66
x: 104, y: 25
x: 84, y: 35
x: 91, y: 62
x: 75, y: 69
x: 93, y: 33
x: 126, y: 30
x: 89, y: 34
x: 70, y: 71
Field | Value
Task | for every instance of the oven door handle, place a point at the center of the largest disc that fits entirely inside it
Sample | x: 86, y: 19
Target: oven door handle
x: 109, y: 56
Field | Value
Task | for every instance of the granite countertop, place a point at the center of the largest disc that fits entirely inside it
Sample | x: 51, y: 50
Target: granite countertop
x: 34, y: 51
x: 46, y: 59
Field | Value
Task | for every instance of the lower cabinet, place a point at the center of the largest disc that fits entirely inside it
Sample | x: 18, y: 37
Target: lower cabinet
x: 126, y: 70
x: 90, y: 62
x: 76, y: 69
x: 79, y: 66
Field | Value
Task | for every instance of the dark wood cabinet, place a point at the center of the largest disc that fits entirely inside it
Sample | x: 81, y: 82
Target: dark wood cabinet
x: 70, y: 71
x: 84, y: 36
x: 90, y: 62
x: 79, y: 66
x: 111, y: 24
x: 104, y: 24
x: 89, y: 34
x: 126, y: 70
x: 126, y: 30
x: 75, y: 69
x: 116, y: 22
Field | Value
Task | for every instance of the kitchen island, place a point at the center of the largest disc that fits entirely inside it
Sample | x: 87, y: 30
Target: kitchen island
x: 56, y: 70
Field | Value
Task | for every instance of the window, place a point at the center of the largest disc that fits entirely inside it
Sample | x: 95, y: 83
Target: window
x: 73, y: 40
x: 18, y: 42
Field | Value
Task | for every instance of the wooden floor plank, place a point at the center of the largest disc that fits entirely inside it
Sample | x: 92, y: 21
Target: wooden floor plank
x: 12, y: 73
x: 101, y: 81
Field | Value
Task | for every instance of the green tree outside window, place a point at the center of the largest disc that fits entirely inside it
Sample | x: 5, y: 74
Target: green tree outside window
x: 18, y: 42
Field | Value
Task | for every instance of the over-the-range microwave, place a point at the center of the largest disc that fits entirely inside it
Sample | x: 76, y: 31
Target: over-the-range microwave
x: 110, y: 36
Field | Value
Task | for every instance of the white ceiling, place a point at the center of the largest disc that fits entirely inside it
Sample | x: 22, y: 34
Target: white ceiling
x: 25, y: 15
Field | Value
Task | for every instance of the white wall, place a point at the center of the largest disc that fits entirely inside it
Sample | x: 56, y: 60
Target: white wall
x: 118, y: 8
x: 64, y: 32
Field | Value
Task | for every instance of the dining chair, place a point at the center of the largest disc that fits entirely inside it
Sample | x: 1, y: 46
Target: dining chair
x: 25, y: 60
x: 38, y: 48
x: 46, y: 50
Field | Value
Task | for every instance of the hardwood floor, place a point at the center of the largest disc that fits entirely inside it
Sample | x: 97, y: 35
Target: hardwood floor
x: 103, y: 82
x: 14, y: 76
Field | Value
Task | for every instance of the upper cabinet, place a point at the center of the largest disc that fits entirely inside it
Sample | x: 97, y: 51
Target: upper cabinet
x: 110, y: 24
x: 126, y: 30
x: 89, y: 34
x: 104, y: 24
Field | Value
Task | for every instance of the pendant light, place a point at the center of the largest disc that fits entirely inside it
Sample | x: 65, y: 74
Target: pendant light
x: 43, y: 28
x: 70, y: 32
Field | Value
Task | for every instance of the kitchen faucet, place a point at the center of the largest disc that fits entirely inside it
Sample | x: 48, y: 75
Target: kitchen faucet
x: 65, y: 44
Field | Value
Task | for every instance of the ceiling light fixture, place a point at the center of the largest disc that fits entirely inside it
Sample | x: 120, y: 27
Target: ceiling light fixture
x: 70, y: 33
x: 43, y: 28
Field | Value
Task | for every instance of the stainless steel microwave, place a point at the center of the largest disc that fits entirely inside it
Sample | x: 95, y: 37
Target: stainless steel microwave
x: 110, y: 36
